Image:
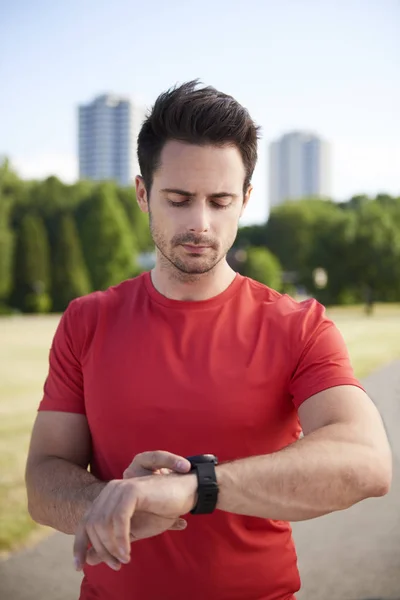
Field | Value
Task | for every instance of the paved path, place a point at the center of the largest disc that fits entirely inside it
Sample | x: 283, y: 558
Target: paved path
x: 354, y: 555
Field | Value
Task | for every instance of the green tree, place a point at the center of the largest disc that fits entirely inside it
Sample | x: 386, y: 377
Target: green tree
x: 331, y: 250
x: 107, y: 240
x: 138, y: 221
x: 251, y: 235
x: 375, y: 253
x: 9, y: 180
x: 290, y: 230
x: 31, y: 269
x: 360, y: 251
x: 70, y: 277
x: 263, y: 266
x: 6, y: 248
x: 52, y: 196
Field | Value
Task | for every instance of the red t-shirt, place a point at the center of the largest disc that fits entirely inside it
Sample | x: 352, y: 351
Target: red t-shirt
x: 222, y: 376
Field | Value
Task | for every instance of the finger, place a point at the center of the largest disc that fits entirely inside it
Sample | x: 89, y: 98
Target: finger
x: 179, y: 525
x: 121, y: 521
x: 159, y: 459
x: 92, y: 558
x: 102, y: 552
x: 135, y: 470
x: 101, y: 526
x: 81, y: 543
x: 165, y: 471
x: 82, y: 536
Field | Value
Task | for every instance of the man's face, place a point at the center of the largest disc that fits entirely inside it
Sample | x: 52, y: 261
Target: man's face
x: 195, y: 204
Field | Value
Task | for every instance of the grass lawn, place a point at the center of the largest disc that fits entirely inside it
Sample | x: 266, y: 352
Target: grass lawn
x: 24, y: 347
x: 372, y: 341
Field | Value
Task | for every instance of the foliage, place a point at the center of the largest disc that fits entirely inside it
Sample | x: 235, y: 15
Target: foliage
x: 69, y: 274
x: 138, y: 221
x: 108, y: 243
x: 91, y: 233
x: 6, y: 247
x: 356, y: 243
x: 260, y: 264
x: 31, y: 266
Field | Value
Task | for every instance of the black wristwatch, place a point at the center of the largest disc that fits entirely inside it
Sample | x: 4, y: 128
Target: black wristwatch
x: 204, y: 466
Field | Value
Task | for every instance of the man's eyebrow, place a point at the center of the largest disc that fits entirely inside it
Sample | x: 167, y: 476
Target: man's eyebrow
x: 180, y: 192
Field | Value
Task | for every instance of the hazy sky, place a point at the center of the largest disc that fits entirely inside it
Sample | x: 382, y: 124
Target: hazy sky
x: 330, y: 67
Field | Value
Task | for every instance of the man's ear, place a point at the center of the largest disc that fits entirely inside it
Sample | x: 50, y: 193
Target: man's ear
x: 141, y: 194
x: 246, y: 198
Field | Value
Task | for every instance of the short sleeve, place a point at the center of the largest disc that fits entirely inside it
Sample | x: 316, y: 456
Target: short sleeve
x: 321, y: 357
x: 63, y: 389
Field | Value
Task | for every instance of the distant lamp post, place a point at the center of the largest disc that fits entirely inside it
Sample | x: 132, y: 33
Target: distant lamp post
x: 320, y: 277
x: 241, y: 255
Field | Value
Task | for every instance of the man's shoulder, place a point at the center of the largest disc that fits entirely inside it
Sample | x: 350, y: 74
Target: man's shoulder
x: 282, y: 304
x: 88, y: 317
x: 91, y: 305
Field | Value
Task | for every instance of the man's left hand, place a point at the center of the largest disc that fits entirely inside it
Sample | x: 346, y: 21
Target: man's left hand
x: 111, y: 517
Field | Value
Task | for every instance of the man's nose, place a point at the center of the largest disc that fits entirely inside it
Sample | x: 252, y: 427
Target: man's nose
x: 199, y: 220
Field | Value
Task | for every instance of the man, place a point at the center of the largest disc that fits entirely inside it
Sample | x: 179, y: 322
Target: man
x: 195, y: 359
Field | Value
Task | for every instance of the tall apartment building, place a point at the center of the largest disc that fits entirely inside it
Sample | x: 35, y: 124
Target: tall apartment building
x: 108, y: 130
x: 299, y: 167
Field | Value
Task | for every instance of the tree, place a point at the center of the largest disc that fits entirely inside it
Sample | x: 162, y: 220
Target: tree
x: 70, y: 275
x: 332, y: 250
x: 6, y: 248
x: 290, y: 230
x: 375, y: 252
x: 31, y: 269
x: 138, y: 221
x: 356, y: 202
x: 263, y: 266
x: 251, y: 235
x: 107, y: 240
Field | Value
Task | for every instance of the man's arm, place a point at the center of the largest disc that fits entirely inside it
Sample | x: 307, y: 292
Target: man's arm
x: 343, y: 458
x: 60, y: 489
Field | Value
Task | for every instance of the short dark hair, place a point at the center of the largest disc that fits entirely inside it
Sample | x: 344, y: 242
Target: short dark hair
x: 196, y: 115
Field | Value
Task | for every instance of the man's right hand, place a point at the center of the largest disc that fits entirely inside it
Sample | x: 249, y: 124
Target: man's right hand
x: 145, y: 525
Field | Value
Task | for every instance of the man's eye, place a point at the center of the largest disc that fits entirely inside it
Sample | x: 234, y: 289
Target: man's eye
x: 178, y: 204
x: 217, y: 205
x: 186, y: 203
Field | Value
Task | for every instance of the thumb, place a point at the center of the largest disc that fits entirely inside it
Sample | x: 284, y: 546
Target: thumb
x: 156, y: 460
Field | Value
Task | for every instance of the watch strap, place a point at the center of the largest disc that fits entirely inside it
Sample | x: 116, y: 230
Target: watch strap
x: 207, y: 488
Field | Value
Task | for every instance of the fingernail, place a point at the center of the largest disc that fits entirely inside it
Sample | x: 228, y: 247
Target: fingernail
x: 182, y: 524
x: 113, y: 565
x: 181, y: 465
x: 77, y: 563
x: 123, y: 557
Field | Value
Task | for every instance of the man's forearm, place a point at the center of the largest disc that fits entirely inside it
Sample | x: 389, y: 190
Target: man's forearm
x: 316, y: 475
x: 59, y: 493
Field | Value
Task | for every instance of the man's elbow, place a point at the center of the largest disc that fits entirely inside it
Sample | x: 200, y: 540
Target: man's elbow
x: 34, y: 513
x: 380, y: 475
x: 34, y: 508
x: 383, y: 482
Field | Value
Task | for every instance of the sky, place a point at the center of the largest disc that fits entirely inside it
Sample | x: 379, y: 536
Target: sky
x: 332, y: 68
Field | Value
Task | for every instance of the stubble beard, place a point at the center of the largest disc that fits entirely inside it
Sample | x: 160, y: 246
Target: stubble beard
x: 192, y: 269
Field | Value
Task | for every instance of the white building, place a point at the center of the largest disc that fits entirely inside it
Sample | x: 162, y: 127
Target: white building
x: 299, y: 167
x: 108, y: 130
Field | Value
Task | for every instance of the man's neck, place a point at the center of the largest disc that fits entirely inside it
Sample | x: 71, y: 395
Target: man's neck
x: 173, y: 284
